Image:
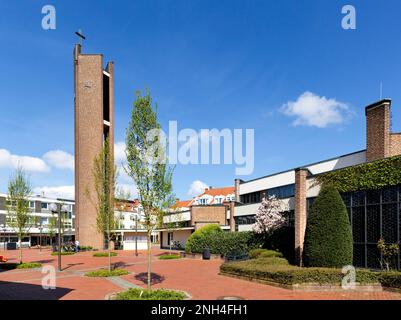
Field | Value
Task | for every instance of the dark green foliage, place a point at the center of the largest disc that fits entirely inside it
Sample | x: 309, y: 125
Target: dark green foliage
x: 286, y: 274
x: 25, y: 265
x: 199, y: 236
x: 390, y: 279
x: 264, y: 253
x: 223, y: 243
x: 169, y: 257
x: 367, y: 176
x: 63, y: 253
x: 328, y: 236
x: 282, y: 240
x: 159, y: 294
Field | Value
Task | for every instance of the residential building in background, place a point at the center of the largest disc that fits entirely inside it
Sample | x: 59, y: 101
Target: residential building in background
x: 38, y: 231
x: 213, y: 206
x: 94, y: 122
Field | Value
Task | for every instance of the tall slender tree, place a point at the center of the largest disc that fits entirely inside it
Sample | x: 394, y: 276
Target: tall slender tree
x: 104, y: 174
x: 19, y: 219
x: 147, y: 166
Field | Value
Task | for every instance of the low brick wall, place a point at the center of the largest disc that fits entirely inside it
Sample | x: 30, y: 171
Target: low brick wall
x: 199, y: 256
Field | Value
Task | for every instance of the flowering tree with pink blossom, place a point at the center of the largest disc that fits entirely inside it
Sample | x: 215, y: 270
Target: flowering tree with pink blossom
x: 269, y: 216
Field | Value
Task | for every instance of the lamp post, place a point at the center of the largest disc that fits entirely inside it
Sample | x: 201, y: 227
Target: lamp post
x: 40, y: 227
x: 3, y: 227
x: 58, y: 209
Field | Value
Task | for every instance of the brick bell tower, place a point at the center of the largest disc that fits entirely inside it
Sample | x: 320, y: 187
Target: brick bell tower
x: 94, y: 122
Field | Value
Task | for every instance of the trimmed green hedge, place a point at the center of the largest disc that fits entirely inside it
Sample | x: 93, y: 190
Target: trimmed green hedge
x: 263, y: 269
x: 144, y: 294
x: 169, y: 257
x: 390, y: 279
x: 223, y: 243
x: 107, y: 273
x: 328, y: 234
x: 29, y: 265
x: 63, y: 253
x: 264, y: 253
x: 104, y: 254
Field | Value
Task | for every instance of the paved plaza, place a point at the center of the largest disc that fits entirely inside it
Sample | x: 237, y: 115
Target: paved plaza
x: 198, y: 278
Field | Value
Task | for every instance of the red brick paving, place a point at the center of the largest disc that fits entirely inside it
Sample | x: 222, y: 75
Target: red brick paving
x: 198, y: 277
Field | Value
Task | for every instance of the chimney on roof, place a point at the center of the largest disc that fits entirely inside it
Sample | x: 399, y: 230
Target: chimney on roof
x: 378, y: 135
x: 210, y: 187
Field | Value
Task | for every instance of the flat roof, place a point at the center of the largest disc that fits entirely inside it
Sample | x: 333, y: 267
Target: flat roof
x: 304, y: 166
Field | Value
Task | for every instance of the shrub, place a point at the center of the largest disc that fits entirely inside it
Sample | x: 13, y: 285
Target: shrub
x: 85, y: 248
x: 390, y: 279
x: 142, y: 294
x: 8, y: 266
x: 200, y: 235
x: 63, y: 253
x: 169, y: 257
x: 328, y: 235
x: 29, y: 265
x: 107, y: 273
x: 104, y: 254
x: 224, y: 243
x: 264, y: 253
x: 289, y: 275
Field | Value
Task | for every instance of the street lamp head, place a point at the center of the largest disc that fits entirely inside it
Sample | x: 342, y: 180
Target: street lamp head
x: 64, y: 208
x: 53, y: 207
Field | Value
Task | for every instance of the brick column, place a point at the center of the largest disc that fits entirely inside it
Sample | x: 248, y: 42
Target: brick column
x: 232, y: 220
x: 300, y: 212
x: 236, y: 189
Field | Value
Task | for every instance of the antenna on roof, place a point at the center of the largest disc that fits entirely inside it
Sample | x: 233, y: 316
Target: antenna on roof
x: 381, y: 90
x: 80, y: 35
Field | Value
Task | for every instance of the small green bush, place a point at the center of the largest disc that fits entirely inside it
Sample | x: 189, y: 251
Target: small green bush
x: 200, y: 235
x: 85, y: 248
x: 142, y: 294
x: 29, y: 265
x: 169, y: 257
x: 104, y: 254
x: 328, y: 235
x: 107, y: 273
x: 63, y: 253
x: 264, y: 253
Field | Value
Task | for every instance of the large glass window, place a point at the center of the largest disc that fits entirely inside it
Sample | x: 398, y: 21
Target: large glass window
x: 282, y: 192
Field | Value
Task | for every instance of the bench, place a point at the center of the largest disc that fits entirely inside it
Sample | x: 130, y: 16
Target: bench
x: 236, y: 257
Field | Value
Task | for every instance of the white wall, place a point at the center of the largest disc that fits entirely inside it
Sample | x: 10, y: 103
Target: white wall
x: 176, y: 217
x: 178, y: 235
x: 129, y: 241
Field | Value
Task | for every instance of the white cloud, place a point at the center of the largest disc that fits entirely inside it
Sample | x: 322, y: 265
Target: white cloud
x: 59, y: 159
x: 119, y: 152
x: 196, y: 188
x: 64, y: 192
x: 313, y: 110
x: 28, y: 163
x: 132, y: 189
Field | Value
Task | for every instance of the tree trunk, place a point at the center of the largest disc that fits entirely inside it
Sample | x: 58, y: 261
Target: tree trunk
x: 109, y: 247
x: 149, y: 262
x: 20, y: 249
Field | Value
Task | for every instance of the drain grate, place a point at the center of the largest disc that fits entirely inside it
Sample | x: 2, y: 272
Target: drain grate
x: 230, y: 298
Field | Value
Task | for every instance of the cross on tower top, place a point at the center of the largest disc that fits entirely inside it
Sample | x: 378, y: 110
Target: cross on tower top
x: 80, y: 35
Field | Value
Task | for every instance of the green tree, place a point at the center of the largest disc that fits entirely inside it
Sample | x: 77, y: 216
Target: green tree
x: 104, y: 174
x: 328, y: 235
x: 147, y: 166
x: 18, y: 217
x: 52, y: 228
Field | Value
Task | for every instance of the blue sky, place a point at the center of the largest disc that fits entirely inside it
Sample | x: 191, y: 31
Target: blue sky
x: 208, y: 64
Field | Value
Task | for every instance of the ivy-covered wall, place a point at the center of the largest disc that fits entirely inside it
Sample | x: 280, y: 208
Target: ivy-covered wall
x: 367, y: 176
